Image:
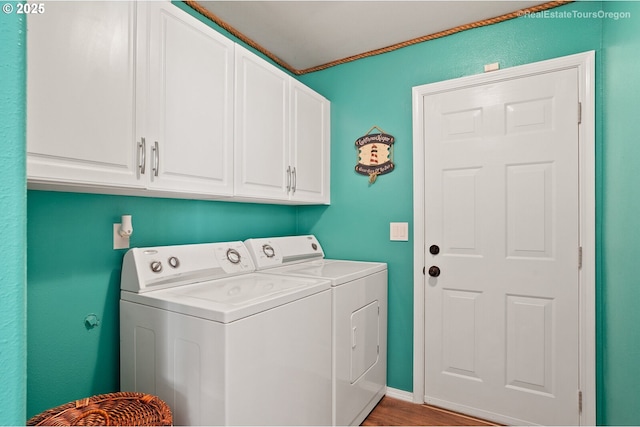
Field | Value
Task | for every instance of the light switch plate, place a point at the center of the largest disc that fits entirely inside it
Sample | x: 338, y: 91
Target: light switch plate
x: 399, y: 231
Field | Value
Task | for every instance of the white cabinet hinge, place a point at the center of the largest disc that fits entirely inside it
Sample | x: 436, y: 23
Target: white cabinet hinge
x: 579, y: 112
x: 580, y: 258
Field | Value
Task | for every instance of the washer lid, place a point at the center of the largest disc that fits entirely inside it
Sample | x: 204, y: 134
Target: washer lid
x: 230, y: 299
x: 338, y: 271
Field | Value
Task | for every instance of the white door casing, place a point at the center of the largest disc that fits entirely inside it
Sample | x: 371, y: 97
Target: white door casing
x: 511, y: 242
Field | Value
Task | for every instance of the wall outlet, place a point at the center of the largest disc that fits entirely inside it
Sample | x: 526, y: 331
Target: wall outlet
x: 119, y: 242
x: 492, y: 67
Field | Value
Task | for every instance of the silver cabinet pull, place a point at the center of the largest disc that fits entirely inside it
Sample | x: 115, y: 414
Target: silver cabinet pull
x: 288, y: 178
x: 142, y: 155
x: 156, y: 158
x: 295, y: 181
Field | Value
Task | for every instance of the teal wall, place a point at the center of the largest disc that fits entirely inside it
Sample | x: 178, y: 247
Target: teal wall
x: 377, y: 91
x: 13, y: 336
x: 73, y: 271
x: 620, y: 203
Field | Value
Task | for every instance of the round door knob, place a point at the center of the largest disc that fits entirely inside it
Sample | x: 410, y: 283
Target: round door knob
x: 434, y: 271
x: 434, y: 249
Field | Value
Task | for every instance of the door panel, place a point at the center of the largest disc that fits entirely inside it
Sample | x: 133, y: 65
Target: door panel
x: 529, y: 344
x: 530, y: 206
x: 459, y: 216
x: 459, y: 355
x: 501, y: 192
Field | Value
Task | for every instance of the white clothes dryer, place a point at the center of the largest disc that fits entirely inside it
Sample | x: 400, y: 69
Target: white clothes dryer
x: 221, y: 343
x: 359, y: 318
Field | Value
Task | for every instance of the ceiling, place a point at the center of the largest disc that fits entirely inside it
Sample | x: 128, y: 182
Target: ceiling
x: 307, y: 34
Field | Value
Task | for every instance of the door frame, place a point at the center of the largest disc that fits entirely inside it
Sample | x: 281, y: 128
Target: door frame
x: 585, y: 64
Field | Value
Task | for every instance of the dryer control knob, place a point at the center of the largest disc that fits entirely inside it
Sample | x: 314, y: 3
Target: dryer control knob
x: 268, y: 250
x: 156, y: 266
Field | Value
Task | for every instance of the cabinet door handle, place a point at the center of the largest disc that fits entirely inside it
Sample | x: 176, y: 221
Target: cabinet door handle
x: 156, y: 158
x: 288, y: 179
x: 142, y: 155
x: 354, y: 341
x: 295, y: 181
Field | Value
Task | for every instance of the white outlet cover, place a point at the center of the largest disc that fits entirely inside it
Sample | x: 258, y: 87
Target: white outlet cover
x: 119, y: 242
x: 399, y: 231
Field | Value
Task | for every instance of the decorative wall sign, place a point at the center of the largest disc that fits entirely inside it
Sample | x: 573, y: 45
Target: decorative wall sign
x: 375, y: 154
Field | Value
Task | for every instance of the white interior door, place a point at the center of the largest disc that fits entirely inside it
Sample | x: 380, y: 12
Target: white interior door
x: 501, y: 203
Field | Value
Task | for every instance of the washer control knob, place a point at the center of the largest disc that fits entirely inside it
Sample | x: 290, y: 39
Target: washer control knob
x: 156, y: 266
x: 233, y: 256
x: 268, y: 250
x: 314, y: 246
x: 174, y: 262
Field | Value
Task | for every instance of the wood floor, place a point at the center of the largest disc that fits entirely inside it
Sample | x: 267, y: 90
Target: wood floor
x: 395, y: 412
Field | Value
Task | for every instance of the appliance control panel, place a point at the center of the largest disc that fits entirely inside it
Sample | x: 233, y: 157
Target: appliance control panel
x: 146, y: 269
x: 279, y: 251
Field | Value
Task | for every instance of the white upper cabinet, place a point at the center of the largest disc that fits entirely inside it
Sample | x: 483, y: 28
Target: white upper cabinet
x: 80, y: 94
x: 310, y: 145
x: 189, y: 104
x: 281, y: 135
x: 142, y: 98
x: 261, y: 128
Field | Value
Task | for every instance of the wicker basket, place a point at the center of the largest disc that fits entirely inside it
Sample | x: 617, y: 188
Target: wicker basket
x: 116, y: 409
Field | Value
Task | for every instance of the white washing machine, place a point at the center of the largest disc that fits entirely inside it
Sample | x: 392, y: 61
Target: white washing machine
x: 221, y: 343
x: 359, y: 318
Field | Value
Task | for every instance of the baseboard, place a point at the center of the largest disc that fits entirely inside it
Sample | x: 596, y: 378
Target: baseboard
x: 400, y: 394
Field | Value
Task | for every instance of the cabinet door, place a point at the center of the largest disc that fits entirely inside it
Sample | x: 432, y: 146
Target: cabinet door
x: 261, y: 127
x: 310, y: 145
x: 189, y: 126
x: 80, y: 95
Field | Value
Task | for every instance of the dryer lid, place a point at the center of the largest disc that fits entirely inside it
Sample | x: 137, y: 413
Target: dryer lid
x: 338, y: 271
